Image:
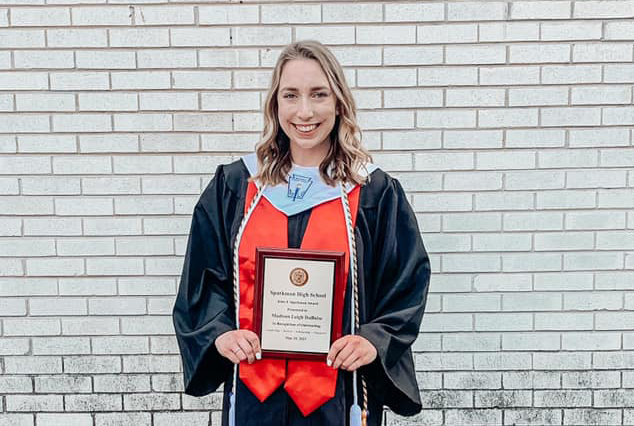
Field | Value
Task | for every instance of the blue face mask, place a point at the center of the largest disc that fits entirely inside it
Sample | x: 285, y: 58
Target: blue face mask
x: 305, y: 188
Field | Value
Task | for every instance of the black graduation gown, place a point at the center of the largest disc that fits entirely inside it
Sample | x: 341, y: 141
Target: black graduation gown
x: 393, y: 279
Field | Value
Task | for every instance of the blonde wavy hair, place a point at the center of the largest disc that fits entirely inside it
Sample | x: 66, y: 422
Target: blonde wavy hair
x: 346, y: 155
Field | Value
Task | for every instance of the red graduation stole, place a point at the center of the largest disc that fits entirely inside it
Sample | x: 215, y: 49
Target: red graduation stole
x: 309, y: 383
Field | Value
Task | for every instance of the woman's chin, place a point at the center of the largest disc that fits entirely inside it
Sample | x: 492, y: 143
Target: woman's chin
x: 311, y: 148
x: 308, y: 143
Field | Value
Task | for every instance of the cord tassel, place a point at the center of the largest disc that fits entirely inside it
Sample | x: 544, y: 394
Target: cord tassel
x: 355, y: 415
x: 232, y: 409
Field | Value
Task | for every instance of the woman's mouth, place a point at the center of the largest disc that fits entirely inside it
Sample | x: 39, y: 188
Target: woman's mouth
x: 305, y: 129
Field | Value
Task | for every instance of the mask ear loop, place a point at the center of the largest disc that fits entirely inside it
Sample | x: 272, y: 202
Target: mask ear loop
x: 236, y: 296
x: 358, y: 417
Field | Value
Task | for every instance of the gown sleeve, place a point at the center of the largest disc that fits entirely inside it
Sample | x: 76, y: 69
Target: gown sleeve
x: 399, y: 281
x: 204, y: 307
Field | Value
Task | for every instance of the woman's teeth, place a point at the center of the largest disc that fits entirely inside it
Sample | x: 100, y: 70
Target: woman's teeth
x: 305, y: 129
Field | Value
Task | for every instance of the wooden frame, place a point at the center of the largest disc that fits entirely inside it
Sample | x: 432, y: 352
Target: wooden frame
x: 294, y: 339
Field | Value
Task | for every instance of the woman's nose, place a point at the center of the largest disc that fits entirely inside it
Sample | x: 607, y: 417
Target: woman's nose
x: 305, y: 109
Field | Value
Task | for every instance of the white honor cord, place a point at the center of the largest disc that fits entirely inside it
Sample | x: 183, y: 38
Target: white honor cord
x: 354, y: 311
x: 352, y: 272
x: 236, y: 294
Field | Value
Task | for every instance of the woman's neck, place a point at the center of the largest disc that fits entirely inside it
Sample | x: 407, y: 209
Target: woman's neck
x: 309, y: 157
x: 307, y: 160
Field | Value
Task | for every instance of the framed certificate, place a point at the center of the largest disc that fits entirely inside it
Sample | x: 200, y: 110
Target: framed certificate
x: 298, y: 302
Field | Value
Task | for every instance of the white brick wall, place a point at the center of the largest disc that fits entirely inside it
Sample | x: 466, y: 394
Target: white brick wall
x: 509, y: 123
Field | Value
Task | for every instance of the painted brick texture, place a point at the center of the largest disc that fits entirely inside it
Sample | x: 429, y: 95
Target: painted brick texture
x: 510, y: 125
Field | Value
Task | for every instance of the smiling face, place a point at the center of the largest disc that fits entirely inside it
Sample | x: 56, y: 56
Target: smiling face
x: 306, y: 110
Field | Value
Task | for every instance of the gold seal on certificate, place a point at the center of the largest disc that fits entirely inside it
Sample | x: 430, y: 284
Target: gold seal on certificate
x: 298, y: 302
x: 299, y: 276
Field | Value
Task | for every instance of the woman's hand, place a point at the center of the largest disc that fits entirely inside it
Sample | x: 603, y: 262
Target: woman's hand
x: 238, y: 345
x: 351, y: 352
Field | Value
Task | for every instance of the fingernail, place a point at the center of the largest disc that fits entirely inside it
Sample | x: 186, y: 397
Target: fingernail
x: 258, y: 355
x: 328, y: 362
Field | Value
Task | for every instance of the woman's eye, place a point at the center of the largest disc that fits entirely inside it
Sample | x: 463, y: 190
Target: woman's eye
x: 318, y: 94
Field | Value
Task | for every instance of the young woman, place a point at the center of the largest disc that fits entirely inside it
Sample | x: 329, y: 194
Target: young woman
x: 309, y: 185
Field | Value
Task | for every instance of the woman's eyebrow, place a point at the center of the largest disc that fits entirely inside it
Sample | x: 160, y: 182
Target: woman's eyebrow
x: 293, y: 89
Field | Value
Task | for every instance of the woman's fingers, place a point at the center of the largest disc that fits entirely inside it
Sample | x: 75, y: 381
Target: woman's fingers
x: 240, y: 353
x: 334, y: 350
x: 358, y: 362
x: 225, y: 350
x: 347, y: 363
x: 239, y: 345
x: 345, y: 354
x: 348, y: 348
x: 348, y: 352
x: 232, y: 357
x: 244, y: 347
x: 253, y: 340
x: 351, y: 352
